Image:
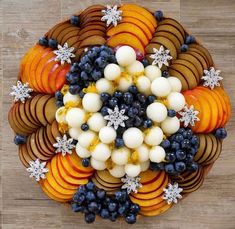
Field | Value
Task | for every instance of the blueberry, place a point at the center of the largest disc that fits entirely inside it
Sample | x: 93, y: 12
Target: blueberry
x: 130, y: 219
x: 52, y: 43
x: 188, y: 134
x: 158, y: 15
x: 75, y: 68
x: 96, y: 49
x: 147, y: 123
x: 175, y: 145
x: 179, y: 138
x: 93, y: 207
x: 114, y: 216
x: 142, y: 111
x: 181, y: 131
x: 138, y: 121
x: 129, y: 122
x: 96, y: 74
x: 88, y: 68
x: 124, y: 107
x: 128, y: 98
x: 170, y: 157
x: 132, y: 112
x: 165, y: 73
x: 185, y: 144
x: 43, y: 41
x: 180, y: 166
x: 81, y: 94
x: 119, y: 142
x: 89, y: 217
x: 72, y: 78
x: 221, y: 133
x: 100, y: 62
x: 90, y: 196
x: 74, y: 89
x: 112, y: 59
x: 84, y: 127
x: 121, y: 196
x: 104, y: 111
x: 169, y: 168
x: 59, y: 96
x: 104, y: 213
x: 101, y: 194
x: 193, y: 166
x: 20, y: 139
x: 104, y: 96
x: 113, y: 102
x: 192, y: 151
x: 141, y: 98
x: 74, y: 20
x: 134, y: 208
x: 194, y: 140
x: 104, y: 54
x: 84, y: 76
x: 117, y: 94
x: 137, y: 105
x: 190, y: 39
x: 85, y: 162
x: 133, y: 89
x: 90, y: 186
x: 145, y: 62
x: 165, y: 144
x: 122, y: 210
x: 112, y: 206
x: 184, y: 48
x: 180, y: 155
x: 76, y: 207
x: 82, y: 190
x: 171, y: 113
x: 151, y: 98
x: 79, y: 199
x: 189, y: 158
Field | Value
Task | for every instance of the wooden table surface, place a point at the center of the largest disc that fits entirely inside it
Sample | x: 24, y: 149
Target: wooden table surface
x: 23, y: 205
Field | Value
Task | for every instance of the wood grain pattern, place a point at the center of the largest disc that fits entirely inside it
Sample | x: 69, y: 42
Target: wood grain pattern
x: 24, y: 206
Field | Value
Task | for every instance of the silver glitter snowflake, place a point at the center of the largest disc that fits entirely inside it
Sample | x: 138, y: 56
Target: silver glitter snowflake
x: 131, y: 184
x: 37, y: 169
x: 64, y: 54
x: 161, y: 56
x: 111, y: 15
x: 189, y: 116
x: 21, y: 91
x: 172, y: 193
x: 211, y: 78
x: 64, y: 145
x: 116, y: 118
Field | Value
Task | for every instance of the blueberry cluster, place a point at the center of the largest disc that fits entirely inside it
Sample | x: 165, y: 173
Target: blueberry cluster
x: 93, y: 201
x: 221, y: 133
x: 180, y: 150
x: 52, y: 43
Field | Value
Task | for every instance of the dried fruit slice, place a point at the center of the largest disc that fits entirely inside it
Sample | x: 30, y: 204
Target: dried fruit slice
x: 33, y: 104
x: 200, y: 58
x: 50, y: 110
x: 90, y: 33
x: 74, y: 31
x: 93, y: 40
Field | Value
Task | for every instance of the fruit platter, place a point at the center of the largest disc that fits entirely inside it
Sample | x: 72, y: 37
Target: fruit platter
x: 119, y: 112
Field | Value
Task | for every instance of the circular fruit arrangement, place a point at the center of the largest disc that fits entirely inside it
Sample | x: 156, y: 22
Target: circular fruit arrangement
x: 119, y: 112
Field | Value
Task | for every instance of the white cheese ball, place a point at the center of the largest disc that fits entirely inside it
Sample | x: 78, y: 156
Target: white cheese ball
x: 121, y: 156
x: 154, y: 136
x: 86, y: 138
x: 68, y: 97
x: 75, y: 117
x: 144, y: 85
x: 107, y: 134
x: 124, y: 83
x: 104, y: 85
x: 152, y: 72
x: 175, y: 84
x: 170, y: 125
x: 133, y: 137
x: 144, y: 165
x: 98, y: 165
x: 96, y: 122
x: 101, y: 152
x: 143, y: 153
x: 175, y: 101
x: 75, y: 132
x: 157, y: 154
x: 91, y: 102
x: 135, y: 68
x: 157, y: 112
x: 82, y: 152
x: 60, y: 115
x: 117, y: 171
x: 161, y: 87
x: 125, y: 55
x: 132, y: 170
x: 112, y: 72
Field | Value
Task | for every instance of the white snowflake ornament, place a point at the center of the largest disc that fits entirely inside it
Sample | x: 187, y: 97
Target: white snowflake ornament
x: 161, y: 57
x: 131, y: 184
x: 64, y: 145
x: 172, y: 193
x: 116, y: 117
x: 189, y: 116
x: 37, y: 169
x: 111, y: 15
x: 211, y: 78
x: 21, y: 92
x: 64, y: 54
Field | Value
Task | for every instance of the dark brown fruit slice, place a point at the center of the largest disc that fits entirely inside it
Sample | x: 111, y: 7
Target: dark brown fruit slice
x: 93, y: 40
x: 108, y: 185
x: 74, y: 32
x: 96, y: 182
x: 33, y: 104
x: 49, y: 135
x: 25, y: 153
x: 149, y: 48
x: 217, y: 153
x: 50, y: 110
x: 59, y: 30
x: 28, y: 113
x: 92, y: 27
x: 91, y: 9
x: 200, y: 53
x: 94, y: 14
x: 65, y: 32
x: 202, y: 146
x: 47, y: 141
x: 49, y: 34
x: 94, y: 23
x: 91, y: 19
x: 22, y: 159
x: 30, y: 152
x: 208, y: 150
x: 106, y: 176
x: 200, y: 58
x: 91, y: 33
x: 55, y: 130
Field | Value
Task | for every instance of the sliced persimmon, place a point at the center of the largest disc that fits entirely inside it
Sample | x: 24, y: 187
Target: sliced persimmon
x: 156, y: 212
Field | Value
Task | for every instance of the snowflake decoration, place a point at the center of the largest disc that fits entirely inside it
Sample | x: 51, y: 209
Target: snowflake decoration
x: 112, y: 15
x: 64, y: 145
x: 189, y: 116
x: 64, y: 54
x: 116, y: 118
x: 131, y: 184
x: 21, y: 91
x: 37, y: 169
x: 160, y: 57
x: 172, y: 193
x: 211, y: 78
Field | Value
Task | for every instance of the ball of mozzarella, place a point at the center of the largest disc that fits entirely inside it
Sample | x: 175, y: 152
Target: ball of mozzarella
x: 154, y: 137
x: 132, y: 170
x: 75, y: 132
x: 82, y: 152
x: 75, y: 117
x: 104, y: 85
x: 135, y: 68
x: 175, y: 101
x: 86, y: 138
x: 112, y: 72
x: 170, y: 125
x: 143, y: 153
x: 156, y: 111
x: 157, y: 154
x: 152, y: 72
x: 117, y: 171
x: 107, y: 134
x: 175, y: 84
x: 60, y: 115
x: 161, y: 87
x: 69, y: 98
x: 125, y: 55
x: 133, y: 137
x: 143, y: 84
x: 144, y: 166
x: 124, y: 83
x: 91, y: 102
x: 120, y: 156
x: 98, y: 165
x: 101, y: 152
x: 96, y: 122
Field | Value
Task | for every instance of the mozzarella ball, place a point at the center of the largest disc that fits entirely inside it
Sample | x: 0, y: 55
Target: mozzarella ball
x: 124, y: 83
x: 157, y: 112
x: 107, y: 134
x: 176, y: 101
x: 75, y: 117
x: 82, y: 152
x: 170, y: 125
x: 101, y: 152
x: 143, y: 153
x: 91, y: 102
x: 75, y: 132
x: 144, y: 166
x: 86, y: 138
x: 60, y: 115
x: 104, y: 85
x: 135, y: 68
x: 133, y: 137
x: 117, y: 171
x: 161, y: 87
x: 157, y: 154
x: 175, y: 84
x: 98, y: 165
x: 69, y: 98
x: 112, y: 72
x: 152, y: 72
x: 143, y: 84
x: 132, y: 170
x: 154, y: 136
x: 120, y: 156
x: 125, y: 55
x: 96, y: 122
